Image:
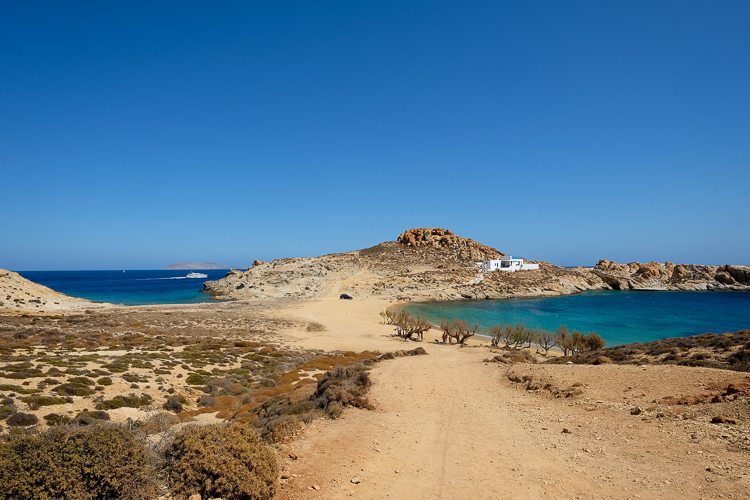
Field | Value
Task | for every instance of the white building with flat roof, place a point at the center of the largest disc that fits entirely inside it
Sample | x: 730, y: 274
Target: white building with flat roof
x: 508, y: 263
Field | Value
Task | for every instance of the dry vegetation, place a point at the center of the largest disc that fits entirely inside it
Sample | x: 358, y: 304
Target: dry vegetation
x: 87, y: 385
x: 729, y: 351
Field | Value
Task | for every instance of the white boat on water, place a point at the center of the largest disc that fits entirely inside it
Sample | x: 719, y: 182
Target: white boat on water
x: 193, y: 274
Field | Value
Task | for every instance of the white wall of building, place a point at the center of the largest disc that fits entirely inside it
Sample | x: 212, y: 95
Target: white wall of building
x: 508, y: 264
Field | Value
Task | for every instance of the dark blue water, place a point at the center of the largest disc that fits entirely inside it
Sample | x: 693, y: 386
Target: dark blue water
x: 620, y: 317
x: 129, y: 287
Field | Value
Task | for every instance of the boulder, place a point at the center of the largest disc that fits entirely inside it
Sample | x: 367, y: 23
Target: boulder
x: 678, y: 272
x: 739, y: 273
x: 724, y: 278
x: 650, y: 270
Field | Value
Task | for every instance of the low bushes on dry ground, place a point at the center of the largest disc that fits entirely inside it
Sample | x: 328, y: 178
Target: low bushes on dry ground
x: 75, y: 463
x: 726, y: 351
x: 227, y: 461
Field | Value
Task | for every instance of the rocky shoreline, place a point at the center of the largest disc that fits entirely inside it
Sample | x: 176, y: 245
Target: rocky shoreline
x: 433, y: 264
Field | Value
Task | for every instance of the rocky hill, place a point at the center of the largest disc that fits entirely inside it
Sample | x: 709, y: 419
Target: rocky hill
x: 464, y: 249
x: 19, y: 294
x: 425, y: 264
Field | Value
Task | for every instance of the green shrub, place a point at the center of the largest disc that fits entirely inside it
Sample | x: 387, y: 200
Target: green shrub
x: 131, y: 401
x: 195, y: 379
x: 73, y: 390
x: 75, y: 463
x: 43, y: 400
x: 104, y: 381
x: 76, y: 386
x: 55, y: 419
x: 90, y: 417
x: 6, y: 411
x: 174, y: 403
x: 230, y: 462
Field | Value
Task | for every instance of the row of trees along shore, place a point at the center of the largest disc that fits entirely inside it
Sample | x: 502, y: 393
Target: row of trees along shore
x: 511, y: 336
x: 570, y: 343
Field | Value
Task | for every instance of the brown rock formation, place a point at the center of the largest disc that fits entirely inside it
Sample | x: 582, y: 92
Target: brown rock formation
x: 669, y: 276
x: 436, y: 237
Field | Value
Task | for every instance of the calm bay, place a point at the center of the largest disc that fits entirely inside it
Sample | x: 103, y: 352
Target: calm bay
x: 620, y: 317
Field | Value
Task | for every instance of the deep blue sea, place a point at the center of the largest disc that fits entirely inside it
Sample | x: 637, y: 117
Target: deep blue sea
x: 620, y: 317
x: 128, y: 287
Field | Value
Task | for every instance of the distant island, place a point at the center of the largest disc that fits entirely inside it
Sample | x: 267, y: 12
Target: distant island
x: 197, y: 265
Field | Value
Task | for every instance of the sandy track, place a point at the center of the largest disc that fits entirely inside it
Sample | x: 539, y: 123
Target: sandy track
x: 449, y: 426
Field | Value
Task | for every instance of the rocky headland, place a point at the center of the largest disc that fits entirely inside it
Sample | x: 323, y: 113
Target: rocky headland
x: 429, y: 264
x: 19, y: 294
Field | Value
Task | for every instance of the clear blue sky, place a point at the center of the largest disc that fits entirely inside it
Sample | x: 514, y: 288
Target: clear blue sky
x: 138, y: 134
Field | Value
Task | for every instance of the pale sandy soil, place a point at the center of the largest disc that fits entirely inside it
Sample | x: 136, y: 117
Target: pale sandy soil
x: 448, y: 425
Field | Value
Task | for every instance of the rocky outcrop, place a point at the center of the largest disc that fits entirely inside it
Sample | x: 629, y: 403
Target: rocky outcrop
x: 668, y: 276
x: 438, y: 238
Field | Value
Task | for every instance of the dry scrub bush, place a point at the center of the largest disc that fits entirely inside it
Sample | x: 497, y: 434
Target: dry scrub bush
x: 22, y: 420
x: 76, y: 464
x: 217, y: 460
x: 281, y: 415
x: 341, y: 387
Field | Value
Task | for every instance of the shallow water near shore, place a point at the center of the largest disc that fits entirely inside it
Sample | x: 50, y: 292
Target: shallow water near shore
x: 620, y: 317
x: 129, y: 287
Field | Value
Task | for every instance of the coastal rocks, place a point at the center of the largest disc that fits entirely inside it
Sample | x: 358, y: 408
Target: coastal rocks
x: 741, y: 274
x: 668, y: 276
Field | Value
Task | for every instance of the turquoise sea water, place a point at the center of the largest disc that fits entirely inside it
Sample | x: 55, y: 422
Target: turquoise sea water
x: 128, y: 287
x: 620, y: 317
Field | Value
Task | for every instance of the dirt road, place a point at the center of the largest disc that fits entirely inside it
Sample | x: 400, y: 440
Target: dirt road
x: 448, y: 425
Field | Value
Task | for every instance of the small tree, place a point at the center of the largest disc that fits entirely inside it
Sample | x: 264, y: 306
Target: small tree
x: 411, y: 325
x: 594, y: 342
x: 461, y: 330
x: 496, y: 334
x: 565, y: 340
x: 579, y: 342
x: 509, y: 335
x: 546, y: 340
x: 387, y: 316
x: 447, y: 327
x: 519, y: 336
x: 532, y: 336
